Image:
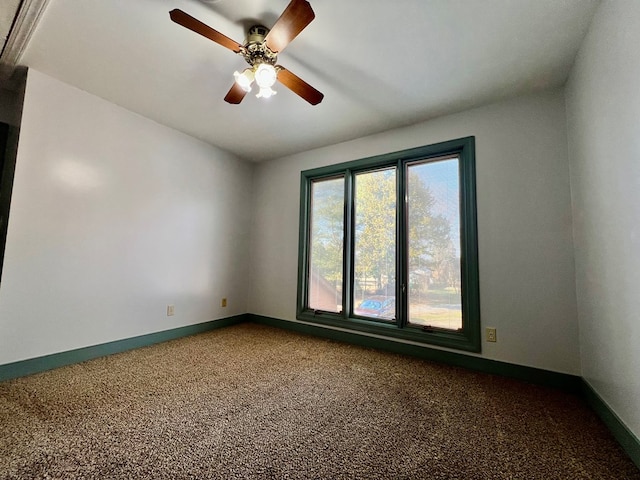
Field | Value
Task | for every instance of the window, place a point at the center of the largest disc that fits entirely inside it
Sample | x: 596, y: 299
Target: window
x: 326, y: 248
x: 388, y: 245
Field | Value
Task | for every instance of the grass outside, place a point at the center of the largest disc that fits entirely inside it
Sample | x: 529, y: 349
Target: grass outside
x: 436, y: 308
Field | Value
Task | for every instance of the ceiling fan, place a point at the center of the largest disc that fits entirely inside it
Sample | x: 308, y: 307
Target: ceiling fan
x: 261, y: 52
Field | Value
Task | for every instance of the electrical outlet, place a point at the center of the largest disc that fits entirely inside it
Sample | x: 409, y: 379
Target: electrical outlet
x: 492, y: 335
x: 170, y: 310
x: 223, y: 302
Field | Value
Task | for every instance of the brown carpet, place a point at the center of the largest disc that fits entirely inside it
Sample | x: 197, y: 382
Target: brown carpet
x: 251, y: 401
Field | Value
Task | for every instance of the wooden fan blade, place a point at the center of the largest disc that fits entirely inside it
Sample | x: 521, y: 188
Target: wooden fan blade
x: 299, y: 86
x: 195, y: 25
x: 235, y: 95
x: 293, y: 20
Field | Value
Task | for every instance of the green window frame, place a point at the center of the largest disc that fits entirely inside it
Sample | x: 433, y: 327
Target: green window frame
x: 8, y: 142
x: 467, y: 337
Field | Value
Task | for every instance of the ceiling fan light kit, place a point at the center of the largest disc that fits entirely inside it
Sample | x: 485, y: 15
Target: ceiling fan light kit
x: 261, y: 52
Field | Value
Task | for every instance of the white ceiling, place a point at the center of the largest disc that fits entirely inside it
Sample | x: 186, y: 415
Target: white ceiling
x: 381, y: 64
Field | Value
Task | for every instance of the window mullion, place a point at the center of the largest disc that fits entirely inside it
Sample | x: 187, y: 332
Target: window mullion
x: 348, y: 278
x: 401, y: 247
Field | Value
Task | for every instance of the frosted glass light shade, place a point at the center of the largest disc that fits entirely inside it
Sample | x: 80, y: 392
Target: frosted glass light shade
x: 265, y: 75
x: 244, y: 79
x: 266, y: 92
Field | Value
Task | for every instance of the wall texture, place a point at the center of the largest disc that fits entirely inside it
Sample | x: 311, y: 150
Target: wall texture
x: 603, y: 111
x: 112, y: 218
x: 527, y: 285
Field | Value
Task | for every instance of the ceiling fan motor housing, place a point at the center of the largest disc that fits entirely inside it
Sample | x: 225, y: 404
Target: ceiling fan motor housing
x: 257, y: 34
x: 255, y: 49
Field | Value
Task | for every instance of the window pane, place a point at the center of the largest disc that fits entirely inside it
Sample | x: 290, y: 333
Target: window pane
x: 433, y: 215
x: 375, y: 244
x: 326, y: 245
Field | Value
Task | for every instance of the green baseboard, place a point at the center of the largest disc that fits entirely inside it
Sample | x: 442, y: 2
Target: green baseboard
x: 55, y: 360
x: 625, y: 437
x: 563, y: 381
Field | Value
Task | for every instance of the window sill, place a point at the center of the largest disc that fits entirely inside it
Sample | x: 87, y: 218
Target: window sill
x: 442, y: 338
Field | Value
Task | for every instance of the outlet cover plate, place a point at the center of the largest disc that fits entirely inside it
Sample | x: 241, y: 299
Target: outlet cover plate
x: 492, y: 335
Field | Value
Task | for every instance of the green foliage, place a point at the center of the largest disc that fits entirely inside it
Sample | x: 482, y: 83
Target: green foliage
x: 327, y: 235
x: 430, y: 245
x: 375, y: 251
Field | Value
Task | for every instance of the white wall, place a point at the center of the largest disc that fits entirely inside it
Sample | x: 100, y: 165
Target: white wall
x: 527, y: 285
x: 603, y: 111
x: 112, y: 218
